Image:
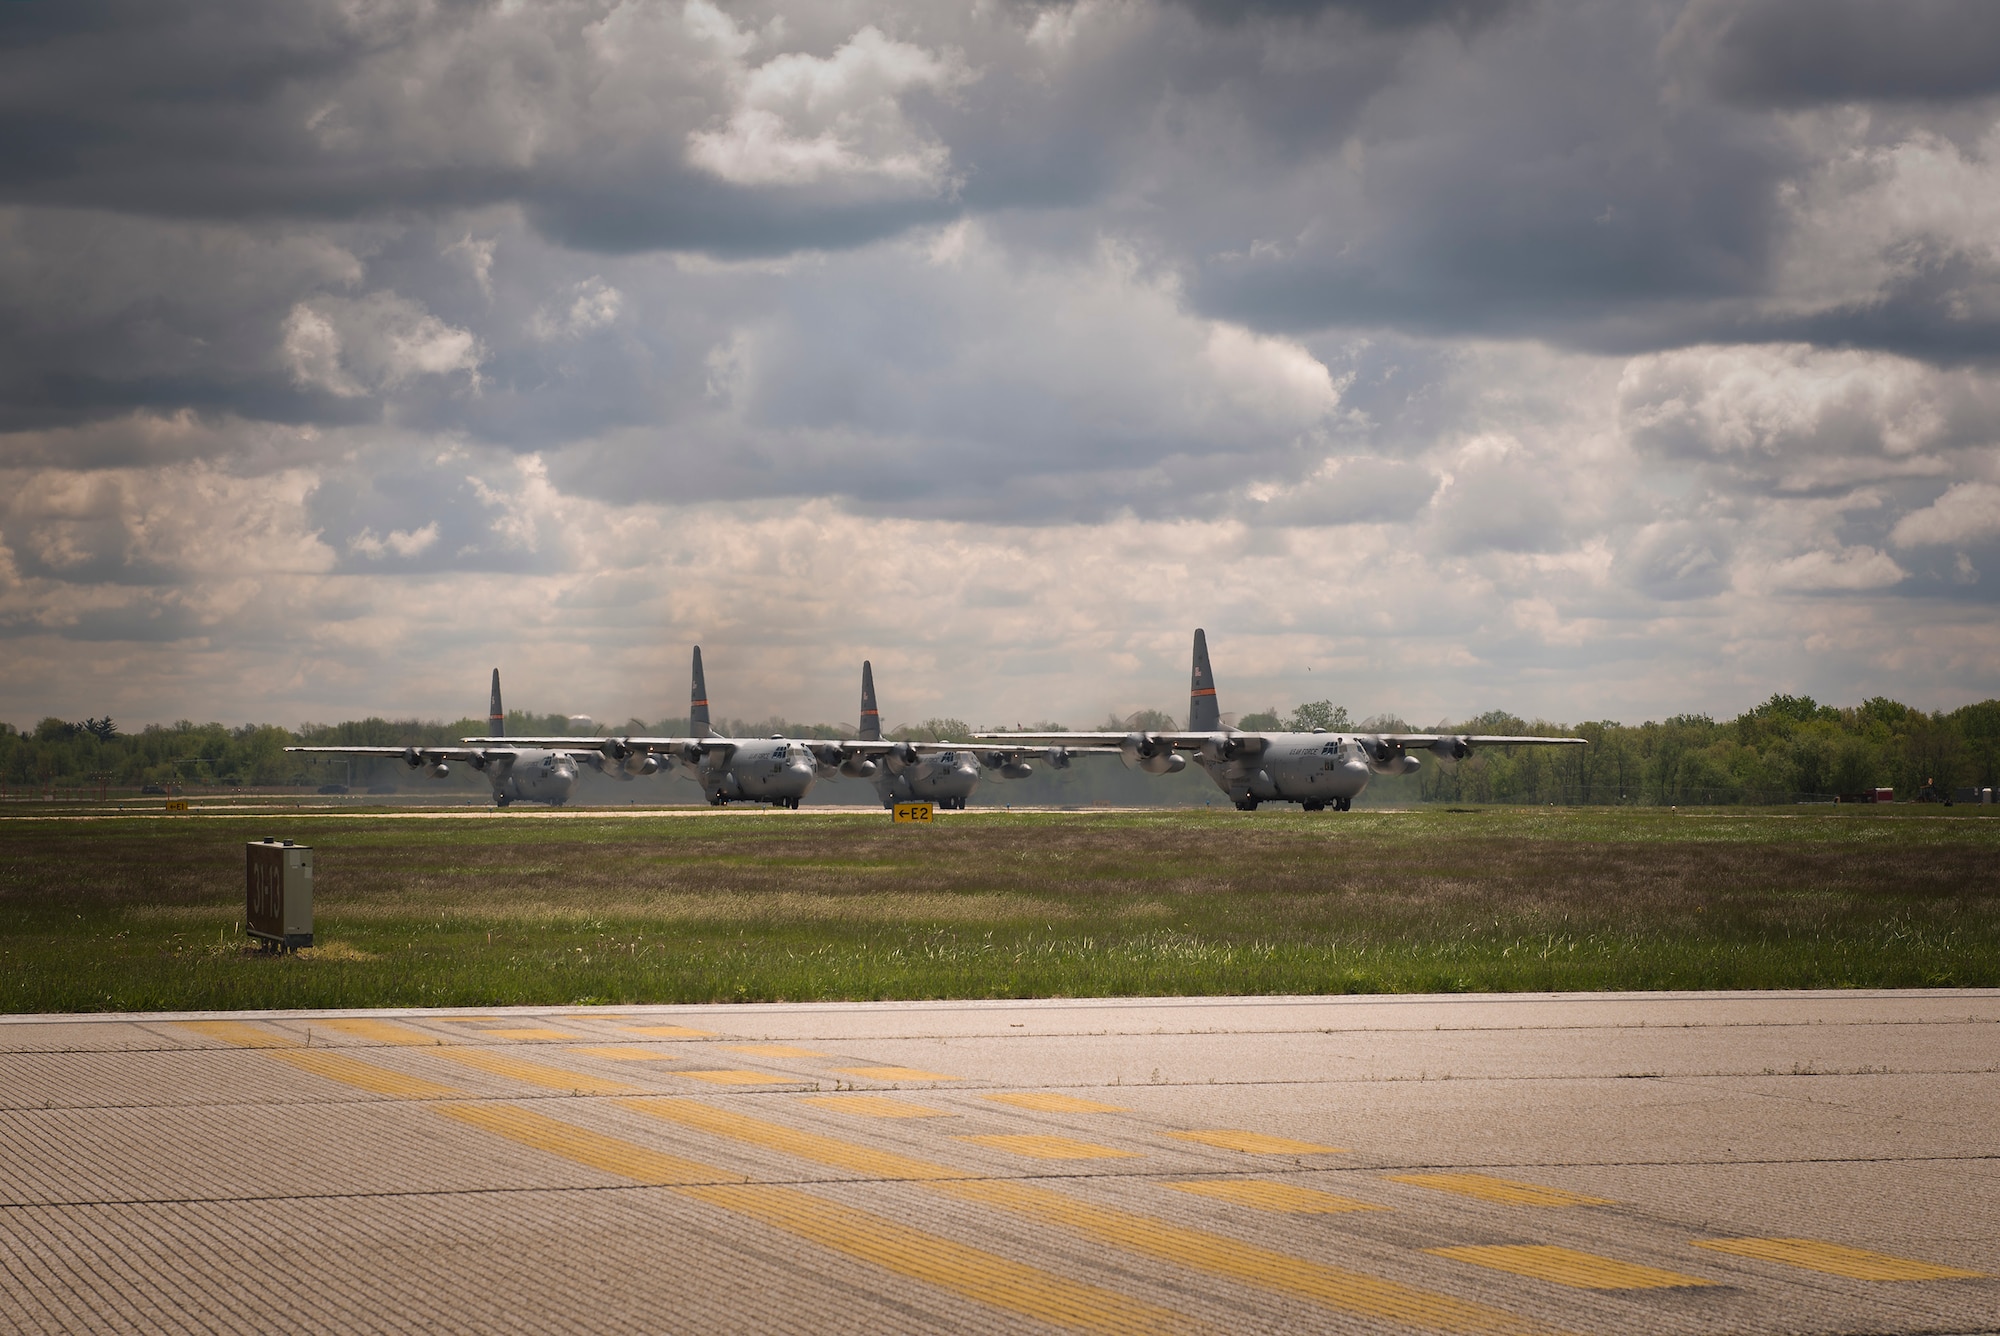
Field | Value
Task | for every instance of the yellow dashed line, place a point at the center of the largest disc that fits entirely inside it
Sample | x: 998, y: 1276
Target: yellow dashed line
x: 583, y: 1146
x: 1052, y: 1147
x: 382, y: 1032
x: 1047, y: 1101
x: 629, y: 1053
x: 535, y: 1073
x: 875, y: 1106
x: 531, y: 1032
x: 990, y: 1279
x: 1256, y: 1143
x: 240, y: 1034
x: 895, y: 1074
x: 1503, y: 1190
x: 981, y: 1276
x: 1566, y: 1266
x: 1330, y: 1286
x: 1837, y: 1259
x: 1264, y: 1195
x: 366, y: 1075
x: 738, y: 1076
x: 774, y: 1050
x: 669, y: 1031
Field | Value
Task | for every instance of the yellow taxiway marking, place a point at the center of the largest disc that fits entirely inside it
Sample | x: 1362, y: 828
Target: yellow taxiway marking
x: 1052, y: 1148
x: 1330, y: 1286
x: 469, y: 1020
x: 535, y: 1073
x: 1264, y: 1195
x: 365, y: 1075
x: 1503, y: 1190
x: 1255, y: 1143
x: 1047, y: 1101
x: 382, y: 1032
x: 990, y: 1279
x: 532, y: 1032
x: 668, y: 1031
x: 583, y: 1146
x: 774, y: 1050
x: 739, y: 1077
x: 1837, y: 1259
x: 875, y: 1106
x: 895, y: 1074
x: 984, y: 1277
x: 239, y: 1034
x: 1567, y: 1266
x: 629, y: 1053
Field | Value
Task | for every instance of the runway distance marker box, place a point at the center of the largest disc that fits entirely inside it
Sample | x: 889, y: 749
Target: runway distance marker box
x: 278, y: 893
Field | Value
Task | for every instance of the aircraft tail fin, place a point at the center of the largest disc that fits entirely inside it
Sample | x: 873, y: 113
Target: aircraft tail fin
x: 496, y: 718
x: 1204, y: 713
x: 698, y: 702
x: 871, y: 718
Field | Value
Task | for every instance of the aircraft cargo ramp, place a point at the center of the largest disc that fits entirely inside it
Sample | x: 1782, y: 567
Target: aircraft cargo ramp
x: 1586, y: 1163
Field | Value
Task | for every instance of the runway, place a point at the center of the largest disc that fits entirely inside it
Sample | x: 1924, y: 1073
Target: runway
x: 1759, y: 1162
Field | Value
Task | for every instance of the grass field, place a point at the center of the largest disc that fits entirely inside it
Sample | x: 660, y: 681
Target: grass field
x: 145, y: 912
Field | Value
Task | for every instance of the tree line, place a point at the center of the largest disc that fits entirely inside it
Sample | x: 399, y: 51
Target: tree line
x: 1788, y: 749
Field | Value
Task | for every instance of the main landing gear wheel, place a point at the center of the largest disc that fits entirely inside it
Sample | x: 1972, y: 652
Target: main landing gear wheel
x: 502, y: 801
x: 1246, y: 805
x: 1313, y: 805
x: 1342, y: 804
x: 716, y: 800
x: 790, y: 804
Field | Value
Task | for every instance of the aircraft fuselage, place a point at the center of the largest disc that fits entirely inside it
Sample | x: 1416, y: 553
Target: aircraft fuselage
x: 530, y: 774
x: 772, y: 770
x: 1316, y: 769
x: 945, y: 778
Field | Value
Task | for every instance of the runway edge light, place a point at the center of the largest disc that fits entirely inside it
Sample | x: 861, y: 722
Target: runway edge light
x: 278, y: 893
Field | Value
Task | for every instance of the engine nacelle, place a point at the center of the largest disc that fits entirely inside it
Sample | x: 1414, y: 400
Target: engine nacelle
x: 1057, y: 757
x: 900, y: 758
x: 414, y: 758
x: 858, y: 767
x: 1151, y: 753
x: 1387, y: 758
x: 1452, y: 749
x: 440, y: 770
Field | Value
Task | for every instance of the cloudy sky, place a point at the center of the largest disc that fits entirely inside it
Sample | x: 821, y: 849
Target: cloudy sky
x: 1586, y: 358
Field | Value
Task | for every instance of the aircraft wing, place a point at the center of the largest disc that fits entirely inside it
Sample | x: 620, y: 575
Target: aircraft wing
x: 1475, y: 739
x: 617, y: 745
x: 423, y: 755
x: 1250, y: 743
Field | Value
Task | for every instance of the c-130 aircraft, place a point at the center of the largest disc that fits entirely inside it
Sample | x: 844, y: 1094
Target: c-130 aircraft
x: 781, y: 770
x: 518, y: 769
x: 1315, y: 770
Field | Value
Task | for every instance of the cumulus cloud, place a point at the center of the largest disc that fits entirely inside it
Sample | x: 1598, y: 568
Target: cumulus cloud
x: 352, y: 346
x: 1967, y: 513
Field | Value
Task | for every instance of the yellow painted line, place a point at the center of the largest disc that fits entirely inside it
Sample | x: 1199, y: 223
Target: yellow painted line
x: 1297, y: 1277
x: 364, y: 1075
x: 583, y: 1146
x: 1567, y: 1266
x: 382, y: 1032
x: 981, y: 1276
x: 895, y: 1074
x: 469, y: 1020
x: 531, y: 1032
x: 239, y: 1033
x: 629, y: 1053
x: 1052, y: 1148
x: 774, y: 1050
x: 992, y: 1280
x: 1837, y: 1259
x: 1255, y: 1143
x: 535, y: 1073
x: 738, y: 1076
x: 1264, y: 1195
x: 1503, y: 1190
x: 1047, y: 1101
x: 1329, y: 1286
x: 669, y: 1031
x: 875, y: 1106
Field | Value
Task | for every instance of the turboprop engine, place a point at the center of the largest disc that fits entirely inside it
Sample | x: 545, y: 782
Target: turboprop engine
x: 1151, y: 753
x: 900, y: 758
x: 622, y: 762
x: 1057, y: 757
x: 1452, y: 749
x: 1388, y: 758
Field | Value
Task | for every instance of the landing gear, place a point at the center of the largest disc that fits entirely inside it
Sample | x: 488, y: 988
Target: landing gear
x: 1246, y: 804
x: 791, y: 804
x: 502, y: 800
x: 951, y: 804
x: 716, y: 800
x: 1342, y: 804
x: 1313, y: 805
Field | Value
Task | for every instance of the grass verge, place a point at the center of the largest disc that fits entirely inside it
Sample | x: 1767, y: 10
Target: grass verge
x: 145, y: 913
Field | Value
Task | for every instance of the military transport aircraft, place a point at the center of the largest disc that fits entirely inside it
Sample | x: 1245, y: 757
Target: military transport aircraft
x: 1315, y: 770
x: 529, y: 773
x: 944, y: 773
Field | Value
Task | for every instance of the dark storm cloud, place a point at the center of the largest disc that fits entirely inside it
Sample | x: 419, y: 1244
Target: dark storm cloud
x: 1793, y: 53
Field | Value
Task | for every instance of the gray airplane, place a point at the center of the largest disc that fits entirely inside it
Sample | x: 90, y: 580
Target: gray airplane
x: 944, y: 773
x: 1317, y: 770
x: 525, y: 773
x: 776, y: 770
